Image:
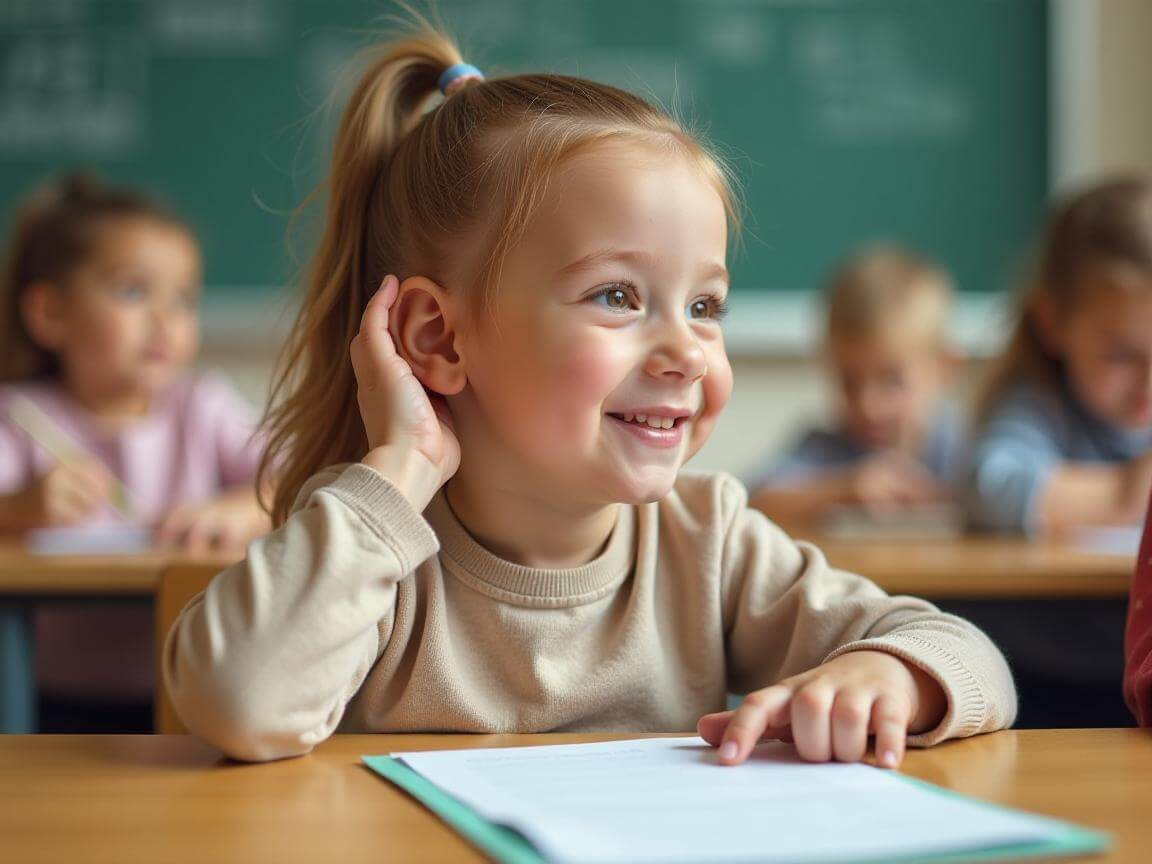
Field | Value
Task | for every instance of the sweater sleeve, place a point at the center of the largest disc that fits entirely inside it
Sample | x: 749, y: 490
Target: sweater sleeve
x: 787, y: 611
x: 263, y: 662
x: 1138, y: 635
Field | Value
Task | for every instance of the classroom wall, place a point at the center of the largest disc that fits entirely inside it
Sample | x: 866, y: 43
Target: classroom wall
x: 778, y: 388
x: 1123, y: 116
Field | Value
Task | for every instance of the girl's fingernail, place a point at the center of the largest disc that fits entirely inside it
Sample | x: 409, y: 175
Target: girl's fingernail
x: 728, y: 750
x: 888, y: 759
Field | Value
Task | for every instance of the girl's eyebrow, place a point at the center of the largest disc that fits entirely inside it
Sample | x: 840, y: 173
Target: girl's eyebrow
x: 711, y: 270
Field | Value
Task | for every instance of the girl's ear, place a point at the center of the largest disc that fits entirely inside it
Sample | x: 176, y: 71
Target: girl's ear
x: 42, y: 310
x: 423, y: 322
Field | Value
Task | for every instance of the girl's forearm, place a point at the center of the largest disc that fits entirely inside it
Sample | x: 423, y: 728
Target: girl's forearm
x: 1084, y: 494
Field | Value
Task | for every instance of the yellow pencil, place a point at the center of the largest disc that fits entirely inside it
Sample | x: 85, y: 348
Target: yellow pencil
x: 41, y: 429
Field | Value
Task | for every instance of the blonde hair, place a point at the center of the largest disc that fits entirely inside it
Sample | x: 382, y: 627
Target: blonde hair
x: 884, y: 287
x: 53, y: 234
x: 1104, y: 230
x: 406, y: 186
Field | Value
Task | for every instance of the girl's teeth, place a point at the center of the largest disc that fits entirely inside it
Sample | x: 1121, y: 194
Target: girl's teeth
x: 652, y: 422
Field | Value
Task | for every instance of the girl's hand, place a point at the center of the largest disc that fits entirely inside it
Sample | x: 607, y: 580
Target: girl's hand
x: 66, y: 494
x: 830, y: 711
x: 410, y: 437
x: 222, y: 525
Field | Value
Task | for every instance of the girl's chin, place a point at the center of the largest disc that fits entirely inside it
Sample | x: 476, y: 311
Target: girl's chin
x: 647, y: 491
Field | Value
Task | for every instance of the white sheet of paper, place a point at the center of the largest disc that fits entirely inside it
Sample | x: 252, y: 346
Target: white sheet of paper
x: 668, y: 800
x: 96, y: 540
x: 1109, y: 540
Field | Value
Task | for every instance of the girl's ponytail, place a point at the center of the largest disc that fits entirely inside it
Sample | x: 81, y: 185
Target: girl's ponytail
x: 386, y: 104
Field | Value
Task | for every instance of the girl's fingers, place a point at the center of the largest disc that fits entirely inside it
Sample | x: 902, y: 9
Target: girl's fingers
x: 171, y: 527
x: 374, y: 338
x: 890, y: 723
x: 200, y: 536
x: 811, y: 721
x: 711, y: 727
x: 851, y: 714
x: 759, y: 712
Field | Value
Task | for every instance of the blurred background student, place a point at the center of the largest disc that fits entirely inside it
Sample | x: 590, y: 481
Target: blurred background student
x: 104, y: 423
x: 1064, y: 436
x: 895, y: 443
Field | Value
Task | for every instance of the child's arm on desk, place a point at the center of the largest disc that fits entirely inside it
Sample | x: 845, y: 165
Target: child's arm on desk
x: 881, y: 482
x: 64, y: 495
x: 805, y: 641
x: 264, y: 662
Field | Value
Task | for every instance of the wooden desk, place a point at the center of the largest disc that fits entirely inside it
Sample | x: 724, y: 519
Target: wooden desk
x: 27, y: 579
x: 983, y: 567
x: 170, y: 798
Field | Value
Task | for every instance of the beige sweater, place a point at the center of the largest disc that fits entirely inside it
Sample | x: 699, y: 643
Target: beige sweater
x: 362, y: 615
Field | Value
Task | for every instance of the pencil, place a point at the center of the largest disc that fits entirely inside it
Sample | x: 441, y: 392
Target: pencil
x: 41, y: 429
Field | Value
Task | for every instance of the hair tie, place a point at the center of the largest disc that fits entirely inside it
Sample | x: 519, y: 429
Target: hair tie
x: 453, y: 78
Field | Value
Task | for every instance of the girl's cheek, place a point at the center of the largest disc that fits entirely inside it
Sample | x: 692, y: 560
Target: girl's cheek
x: 717, y: 389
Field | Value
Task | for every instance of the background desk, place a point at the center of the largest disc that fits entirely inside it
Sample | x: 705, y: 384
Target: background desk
x: 170, y: 798
x: 26, y: 580
x: 1055, y: 611
x: 980, y: 567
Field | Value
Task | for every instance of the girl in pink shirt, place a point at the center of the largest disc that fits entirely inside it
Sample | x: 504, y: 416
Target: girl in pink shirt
x: 100, y: 326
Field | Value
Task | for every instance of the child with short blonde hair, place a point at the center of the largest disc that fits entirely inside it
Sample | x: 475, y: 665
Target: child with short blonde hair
x: 894, y: 445
x: 481, y: 523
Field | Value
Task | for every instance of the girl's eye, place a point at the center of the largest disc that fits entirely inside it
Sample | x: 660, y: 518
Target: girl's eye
x: 615, y: 298
x: 707, y: 308
x: 131, y: 291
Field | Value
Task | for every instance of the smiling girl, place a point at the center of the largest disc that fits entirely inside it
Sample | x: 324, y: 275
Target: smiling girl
x: 483, y: 524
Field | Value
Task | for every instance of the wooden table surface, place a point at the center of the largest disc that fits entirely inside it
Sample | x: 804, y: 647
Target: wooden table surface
x: 172, y: 799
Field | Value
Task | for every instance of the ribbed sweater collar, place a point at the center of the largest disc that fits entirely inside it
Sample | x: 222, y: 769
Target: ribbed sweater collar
x: 527, y: 585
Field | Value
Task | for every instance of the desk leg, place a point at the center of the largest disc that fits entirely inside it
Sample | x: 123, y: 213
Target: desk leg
x: 17, y: 674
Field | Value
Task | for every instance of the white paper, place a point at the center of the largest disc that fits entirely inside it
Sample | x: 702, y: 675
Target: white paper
x: 95, y: 540
x: 1123, y: 540
x: 668, y: 800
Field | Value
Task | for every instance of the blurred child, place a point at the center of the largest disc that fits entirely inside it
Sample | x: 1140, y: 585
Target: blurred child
x: 481, y: 523
x: 100, y: 326
x: 1065, y: 424
x: 894, y: 445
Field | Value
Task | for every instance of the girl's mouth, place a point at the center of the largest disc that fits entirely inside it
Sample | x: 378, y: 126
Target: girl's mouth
x: 652, y: 429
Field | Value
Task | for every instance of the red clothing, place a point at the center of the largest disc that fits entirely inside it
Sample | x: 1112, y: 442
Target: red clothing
x: 1138, y: 636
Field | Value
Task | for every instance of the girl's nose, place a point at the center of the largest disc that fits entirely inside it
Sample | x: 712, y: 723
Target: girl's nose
x: 678, y: 355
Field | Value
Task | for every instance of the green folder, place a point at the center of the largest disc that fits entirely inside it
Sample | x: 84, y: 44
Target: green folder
x: 505, y: 845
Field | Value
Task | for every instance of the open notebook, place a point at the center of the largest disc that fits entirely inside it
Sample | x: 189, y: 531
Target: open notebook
x: 667, y: 800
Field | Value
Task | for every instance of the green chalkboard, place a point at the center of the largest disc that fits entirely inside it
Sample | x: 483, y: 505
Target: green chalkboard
x: 922, y: 121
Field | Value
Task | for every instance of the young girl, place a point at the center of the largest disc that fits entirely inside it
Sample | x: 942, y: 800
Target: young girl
x: 99, y: 326
x: 510, y: 548
x: 1065, y: 436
